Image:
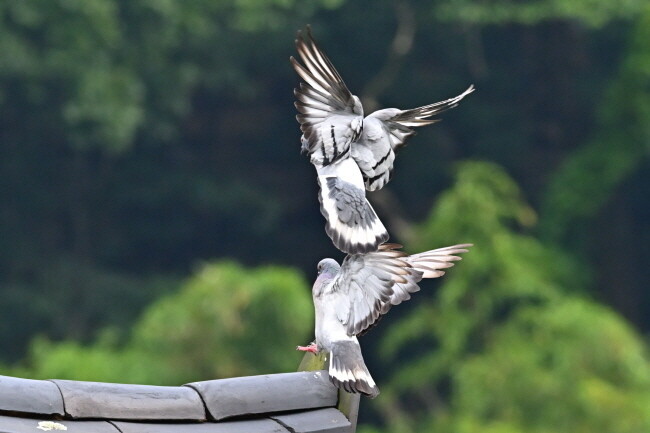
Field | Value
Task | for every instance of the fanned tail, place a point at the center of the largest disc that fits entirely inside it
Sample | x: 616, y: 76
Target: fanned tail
x: 348, y: 371
x: 352, y: 223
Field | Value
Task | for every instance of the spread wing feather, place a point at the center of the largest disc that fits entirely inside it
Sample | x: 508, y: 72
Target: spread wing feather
x: 386, y: 131
x: 400, y: 124
x: 330, y: 116
x: 368, y: 285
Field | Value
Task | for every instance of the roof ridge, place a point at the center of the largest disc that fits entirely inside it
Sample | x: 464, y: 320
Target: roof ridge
x: 302, y: 401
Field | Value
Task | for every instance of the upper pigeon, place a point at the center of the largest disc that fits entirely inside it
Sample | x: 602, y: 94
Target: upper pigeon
x: 351, y: 153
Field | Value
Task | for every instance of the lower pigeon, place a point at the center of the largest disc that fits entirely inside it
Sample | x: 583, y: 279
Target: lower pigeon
x: 350, y: 298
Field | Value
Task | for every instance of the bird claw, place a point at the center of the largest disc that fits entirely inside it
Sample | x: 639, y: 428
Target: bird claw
x: 313, y: 348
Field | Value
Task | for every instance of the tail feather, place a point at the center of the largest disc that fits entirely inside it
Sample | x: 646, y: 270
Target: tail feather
x: 352, y: 223
x: 348, y: 371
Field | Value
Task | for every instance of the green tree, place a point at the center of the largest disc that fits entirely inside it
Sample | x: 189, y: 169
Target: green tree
x: 594, y: 201
x: 138, y: 137
x: 101, y: 103
x: 593, y: 13
x: 590, y: 175
x: 509, y: 343
x: 226, y: 320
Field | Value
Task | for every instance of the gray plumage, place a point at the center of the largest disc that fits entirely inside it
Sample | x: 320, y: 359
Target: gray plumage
x: 350, y: 298
x: 351, y: 222
x: 353, y: 215
x: 351, y: 153
x: 332, y: 118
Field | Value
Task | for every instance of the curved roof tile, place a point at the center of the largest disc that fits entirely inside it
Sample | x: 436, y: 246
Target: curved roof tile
x: 298, y: 402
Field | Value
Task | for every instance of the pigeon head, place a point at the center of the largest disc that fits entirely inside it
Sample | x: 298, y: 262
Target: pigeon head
x: 304, y: 148
x: 328, y: 267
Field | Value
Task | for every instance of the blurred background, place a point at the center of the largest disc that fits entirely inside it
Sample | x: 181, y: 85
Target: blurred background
x: 158, y: 224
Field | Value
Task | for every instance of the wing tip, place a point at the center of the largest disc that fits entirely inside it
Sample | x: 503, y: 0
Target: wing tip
x: 306, y: 28
x: 390, y: 246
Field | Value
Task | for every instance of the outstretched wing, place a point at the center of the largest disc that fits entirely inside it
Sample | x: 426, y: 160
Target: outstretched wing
x: 430, y: 264
x: 331, y: 117
x: 400, y: 123
x: 368, y: 285
x: 386, y: 131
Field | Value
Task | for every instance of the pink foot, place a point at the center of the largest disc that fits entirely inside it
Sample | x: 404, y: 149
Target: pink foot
x: 311, y: 348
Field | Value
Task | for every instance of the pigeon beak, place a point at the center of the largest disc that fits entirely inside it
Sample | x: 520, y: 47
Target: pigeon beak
x: 304, y: 148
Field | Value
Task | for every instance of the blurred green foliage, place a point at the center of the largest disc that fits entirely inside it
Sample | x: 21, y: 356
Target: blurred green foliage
x: 109, y: 190
x: 594, y: 13
x: 507, y: 344
x: 224, y: 321
x: 138, y: 138
x: 588, y: 177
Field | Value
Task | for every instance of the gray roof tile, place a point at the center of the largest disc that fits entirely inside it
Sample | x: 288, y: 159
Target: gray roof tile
x: 268, y: 393
x: 130, y: 402
x: 243, y: 426
x: 299, y: 402
x: 30, y: 396
x: 315, y: 421
x: 11, y: 424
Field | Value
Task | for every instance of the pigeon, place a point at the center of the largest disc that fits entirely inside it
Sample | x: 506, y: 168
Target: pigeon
x: 350, y: 298
x: 351, y: 153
